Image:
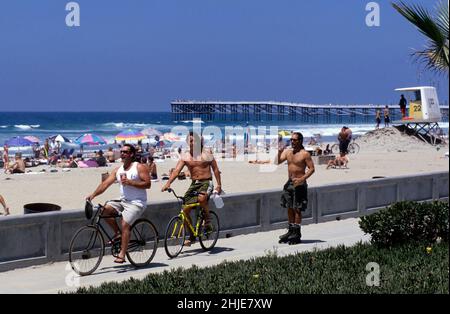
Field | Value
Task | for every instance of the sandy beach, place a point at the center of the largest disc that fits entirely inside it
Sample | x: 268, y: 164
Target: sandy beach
x: 384, y: 152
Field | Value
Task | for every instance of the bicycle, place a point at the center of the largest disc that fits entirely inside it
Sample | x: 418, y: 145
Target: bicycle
x: 353, y: 147
x: 87, y: 246
x: 176, y: 231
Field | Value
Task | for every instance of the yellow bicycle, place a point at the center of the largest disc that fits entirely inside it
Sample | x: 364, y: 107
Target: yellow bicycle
x: 176, y: 231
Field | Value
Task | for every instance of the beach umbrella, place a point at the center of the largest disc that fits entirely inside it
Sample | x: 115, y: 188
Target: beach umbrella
x: 33, y: 139
x: 18, y: 141
x: 90, y: 139
x: 284, y: 133
x: 130, y: 135
x: 59, y: 138
x: 151, y: 132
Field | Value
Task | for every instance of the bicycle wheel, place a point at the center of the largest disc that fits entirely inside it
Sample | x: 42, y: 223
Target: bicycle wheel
x: 335, y: 149
x: 174, y: 238
x: 143, y: 243
x: 353, y: 148
x: 86, y: 250
x: 208, y: 236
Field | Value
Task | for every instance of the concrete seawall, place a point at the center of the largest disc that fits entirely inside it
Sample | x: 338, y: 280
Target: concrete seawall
x: 42, y: 238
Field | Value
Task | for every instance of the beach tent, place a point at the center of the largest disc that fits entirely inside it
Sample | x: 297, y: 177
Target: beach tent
x: 130, y: 136
x: 90, y: 139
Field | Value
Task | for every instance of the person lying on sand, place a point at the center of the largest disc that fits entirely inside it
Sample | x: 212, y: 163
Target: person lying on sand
x: 340, y: 161
x: 259, y: 161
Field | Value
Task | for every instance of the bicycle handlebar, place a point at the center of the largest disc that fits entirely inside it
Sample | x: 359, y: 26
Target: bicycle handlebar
x: 194, y: 193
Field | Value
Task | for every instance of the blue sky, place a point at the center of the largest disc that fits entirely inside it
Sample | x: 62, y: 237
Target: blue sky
x: 140, y: 55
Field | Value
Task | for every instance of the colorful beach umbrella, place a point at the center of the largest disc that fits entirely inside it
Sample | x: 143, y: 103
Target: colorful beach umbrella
x: 130, y: 135
x: 90, y: 139
x: 59, y: 138
x: 151, y: 132
x: 18, y: 141
x: 31, y: 138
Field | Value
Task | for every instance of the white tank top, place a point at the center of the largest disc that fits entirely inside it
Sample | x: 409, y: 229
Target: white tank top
x: 130, y: 193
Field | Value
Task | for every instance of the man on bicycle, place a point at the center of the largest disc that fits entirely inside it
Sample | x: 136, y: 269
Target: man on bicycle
x: 200, y: 164
x: 133, y: 179
x: 295, y: 191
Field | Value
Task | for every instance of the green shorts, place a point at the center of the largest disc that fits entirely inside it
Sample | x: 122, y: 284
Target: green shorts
x: 205, y: 186
x: 295, y: 197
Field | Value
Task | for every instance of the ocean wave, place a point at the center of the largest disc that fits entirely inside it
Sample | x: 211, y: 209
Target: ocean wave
x: 26, y: 126
x: 129, y: 125
x: 3, y: 126
x: 192, y: 121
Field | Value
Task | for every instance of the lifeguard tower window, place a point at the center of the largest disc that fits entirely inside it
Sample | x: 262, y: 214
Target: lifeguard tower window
x: 417, y: 94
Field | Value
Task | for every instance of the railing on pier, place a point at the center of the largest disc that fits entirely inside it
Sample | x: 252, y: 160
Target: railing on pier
x: 268, y: 111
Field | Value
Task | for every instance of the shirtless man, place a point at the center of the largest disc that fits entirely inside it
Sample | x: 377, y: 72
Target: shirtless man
x: 19, y: 165
x: 295, y: 191
x: 344, y: 138
x: 200, y: 163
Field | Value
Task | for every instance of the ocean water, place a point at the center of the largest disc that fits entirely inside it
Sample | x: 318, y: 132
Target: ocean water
x: 109, y: 124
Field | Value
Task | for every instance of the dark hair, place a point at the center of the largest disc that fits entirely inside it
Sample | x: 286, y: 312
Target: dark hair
x: 132, y: 150
x: 150, y: 158
x: 196, y: 138
x: 300, y: 138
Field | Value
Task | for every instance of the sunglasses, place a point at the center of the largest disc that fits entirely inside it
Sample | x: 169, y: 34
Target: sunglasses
x: 125, y: 151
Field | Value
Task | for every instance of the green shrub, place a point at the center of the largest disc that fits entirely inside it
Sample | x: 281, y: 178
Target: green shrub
x: 408, y: 268
x: 407, y: 221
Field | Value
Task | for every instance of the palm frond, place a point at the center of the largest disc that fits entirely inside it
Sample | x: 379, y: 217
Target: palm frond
x: 436, y: 54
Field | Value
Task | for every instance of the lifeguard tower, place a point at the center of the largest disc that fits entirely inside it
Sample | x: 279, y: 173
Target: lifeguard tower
x: 424, y: 114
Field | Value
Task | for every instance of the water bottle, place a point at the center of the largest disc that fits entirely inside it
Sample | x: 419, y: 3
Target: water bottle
x: 218, y: 201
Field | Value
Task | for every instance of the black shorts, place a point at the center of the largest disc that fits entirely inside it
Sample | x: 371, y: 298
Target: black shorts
x: 295, y: 197
x: 343, y: 146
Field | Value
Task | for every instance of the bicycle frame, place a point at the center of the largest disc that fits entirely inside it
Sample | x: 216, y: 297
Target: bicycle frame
x: 186, y: 221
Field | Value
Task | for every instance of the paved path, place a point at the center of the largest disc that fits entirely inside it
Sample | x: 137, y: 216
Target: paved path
x: 56, y: 277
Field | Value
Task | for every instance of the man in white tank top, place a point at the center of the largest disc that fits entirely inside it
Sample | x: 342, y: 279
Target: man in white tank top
x: 133, y: 179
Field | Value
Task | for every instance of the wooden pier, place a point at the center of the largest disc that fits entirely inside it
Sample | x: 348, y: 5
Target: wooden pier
x: 279, y: 111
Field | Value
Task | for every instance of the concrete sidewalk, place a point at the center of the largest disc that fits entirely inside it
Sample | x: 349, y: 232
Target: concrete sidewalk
x: 56, y: 277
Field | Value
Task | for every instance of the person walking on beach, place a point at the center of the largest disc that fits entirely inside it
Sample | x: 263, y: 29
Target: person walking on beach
x: 344, y: 138
x: 402, y: 105
x: 200, y: 163
x: 387, y: 120
x: 133, y: 180
x: 5, y: 157
x: 378, y: 118
x: 5, y: 207
x: 295, y: 191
